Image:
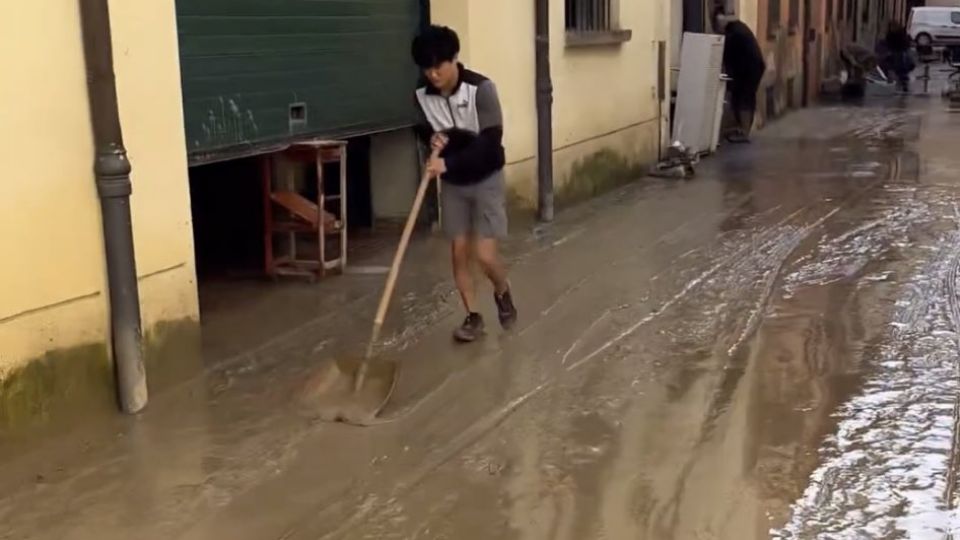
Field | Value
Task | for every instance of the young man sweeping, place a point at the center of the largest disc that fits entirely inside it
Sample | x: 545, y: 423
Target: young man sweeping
x: 460, y: 117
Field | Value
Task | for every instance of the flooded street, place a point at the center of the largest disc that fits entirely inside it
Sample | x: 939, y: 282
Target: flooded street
x: 767, y: 351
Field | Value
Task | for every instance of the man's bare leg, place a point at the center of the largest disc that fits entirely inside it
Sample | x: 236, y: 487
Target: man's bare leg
x: 490, y: 263
x: 493, y: 267
x: 460, y: 251
x: 472, y: 326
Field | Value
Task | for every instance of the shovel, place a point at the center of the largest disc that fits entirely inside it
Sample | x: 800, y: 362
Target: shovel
x: 354, y: 391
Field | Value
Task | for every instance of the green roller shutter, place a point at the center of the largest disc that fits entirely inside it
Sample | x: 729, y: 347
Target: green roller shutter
x: 260, y: 73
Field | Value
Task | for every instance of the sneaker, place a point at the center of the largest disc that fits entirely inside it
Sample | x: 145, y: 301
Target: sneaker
x: 470, y: 330
x: 506, y: 311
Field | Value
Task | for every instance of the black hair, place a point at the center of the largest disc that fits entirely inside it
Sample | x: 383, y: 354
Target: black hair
x: 434, y: 46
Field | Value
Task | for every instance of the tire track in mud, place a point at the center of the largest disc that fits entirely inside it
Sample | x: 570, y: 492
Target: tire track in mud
x: 688, y: 287
x: 471, y: 434
x: 771, y: 237
x: 476, y: 430
x: 780, y: 251
x: 771, y: 243
x: 777, y: 252
x: 770, y: 250
x: 954, y: 306
x: 878, y: 473
x: 739, y: 204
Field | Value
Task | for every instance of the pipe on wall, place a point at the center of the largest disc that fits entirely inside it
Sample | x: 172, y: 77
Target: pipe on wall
x: 112, y: 171
x: 544, y: 99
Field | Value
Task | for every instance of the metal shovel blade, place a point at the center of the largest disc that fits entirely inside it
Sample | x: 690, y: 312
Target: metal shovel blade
x: 354, y: 391
x: 332, y: 394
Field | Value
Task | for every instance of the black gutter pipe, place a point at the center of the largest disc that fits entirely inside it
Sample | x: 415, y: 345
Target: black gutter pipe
x: 112, y: 170
x: 544, y: 89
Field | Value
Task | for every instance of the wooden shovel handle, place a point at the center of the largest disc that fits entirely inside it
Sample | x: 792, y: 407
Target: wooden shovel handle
x: 402, y: 248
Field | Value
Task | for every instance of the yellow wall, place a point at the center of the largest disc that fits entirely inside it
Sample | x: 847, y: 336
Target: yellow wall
x: 747, y: 12
x: 52, y: 282
x: 604, y: 97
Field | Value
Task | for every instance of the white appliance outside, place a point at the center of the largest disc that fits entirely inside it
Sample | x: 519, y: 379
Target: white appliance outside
x: 700, y: 92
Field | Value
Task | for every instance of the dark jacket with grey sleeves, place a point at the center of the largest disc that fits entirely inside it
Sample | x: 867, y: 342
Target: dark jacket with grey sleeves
x: 472, y: 119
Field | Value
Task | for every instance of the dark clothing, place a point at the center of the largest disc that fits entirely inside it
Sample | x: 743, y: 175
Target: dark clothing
x: 901, y: 63
x: 742, y: 57
x: 472, y: 119
x: 896, y: 57
x: 743, y: 63
x: 743, y: 97
x: 898, y: 41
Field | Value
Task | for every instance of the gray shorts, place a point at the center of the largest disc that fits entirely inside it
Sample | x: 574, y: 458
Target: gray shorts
x: 475, y: 210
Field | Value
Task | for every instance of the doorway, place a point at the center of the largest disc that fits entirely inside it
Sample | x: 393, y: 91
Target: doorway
x: 809, y: 38
x: 694, y: 16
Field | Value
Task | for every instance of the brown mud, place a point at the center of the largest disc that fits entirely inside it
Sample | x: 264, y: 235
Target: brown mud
x: 769, y: 350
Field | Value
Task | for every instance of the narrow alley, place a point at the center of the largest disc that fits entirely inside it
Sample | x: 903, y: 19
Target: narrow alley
x: 767, y: 350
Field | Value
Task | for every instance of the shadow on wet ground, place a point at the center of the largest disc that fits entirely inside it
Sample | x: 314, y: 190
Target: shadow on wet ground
x: 768, y: 350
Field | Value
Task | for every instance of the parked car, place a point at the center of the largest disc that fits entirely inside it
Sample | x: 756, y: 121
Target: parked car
x: 934, y: 26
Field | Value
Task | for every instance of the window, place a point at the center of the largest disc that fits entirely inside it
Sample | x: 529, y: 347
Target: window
x: 955, y: 17
x: 588, y: 16
x: 773, y: 17
x: 594, y: 22
x: 866, y: 12
x: 829, y: 13
x: 794, y: 14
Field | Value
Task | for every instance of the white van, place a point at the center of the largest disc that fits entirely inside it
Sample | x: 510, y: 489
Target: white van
x: 934, y: 26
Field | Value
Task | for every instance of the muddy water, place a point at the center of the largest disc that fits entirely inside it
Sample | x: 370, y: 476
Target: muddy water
x: 888, y: 469
x: 767, y: 351
x: 794, y: 378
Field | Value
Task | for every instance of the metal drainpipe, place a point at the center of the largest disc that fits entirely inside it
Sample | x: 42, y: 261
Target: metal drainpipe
x: 544, y: 89
x: 112, y: 171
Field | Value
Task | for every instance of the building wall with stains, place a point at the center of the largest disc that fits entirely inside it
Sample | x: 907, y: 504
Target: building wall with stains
x: 801, y: 40
x: 749, y: 13
x: 874, y: 16
x: 607, y: 115
x: 780, y: 32
x: 746, y: 11
x: 822, y: 46
x: 53, y: 300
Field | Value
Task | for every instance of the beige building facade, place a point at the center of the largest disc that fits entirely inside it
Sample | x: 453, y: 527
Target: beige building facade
x: 54, y: 319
